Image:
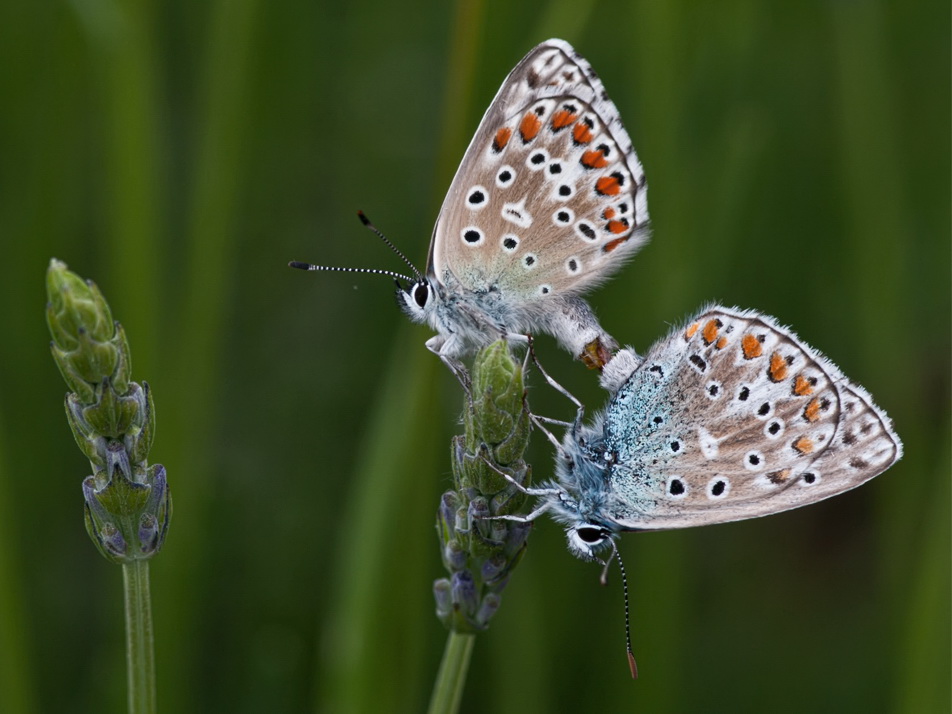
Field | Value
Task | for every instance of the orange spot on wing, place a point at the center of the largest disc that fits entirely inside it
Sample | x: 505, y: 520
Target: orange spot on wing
x: 594, y: 160
x: 812, y: 411
x: 778, y: 477
x: 778, y: 367
x: 562, y: 119
x: 618, y: 226
x: 710, y: 331
x: 581, y: 133
x: 608, y: 214
x: 501, y: 139
x: 802, y: 386
x: 690, y: 332
x: 608, y: 186
x: 751, y: 347
x: 530, y: 127
x: 612, y: 244
x: 721, y: 343
x: 804, y: 445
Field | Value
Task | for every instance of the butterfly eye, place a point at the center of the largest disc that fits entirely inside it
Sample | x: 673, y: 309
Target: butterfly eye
x: 590, y: 534
x: 421, y: 293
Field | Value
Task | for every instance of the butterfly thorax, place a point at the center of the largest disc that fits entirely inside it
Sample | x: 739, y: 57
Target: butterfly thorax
x: 584, y: 475
x: 465, y: 319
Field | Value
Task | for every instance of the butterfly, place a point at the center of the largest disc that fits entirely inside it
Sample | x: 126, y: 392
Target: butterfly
x: 729, y: 417
x: 549, y: 200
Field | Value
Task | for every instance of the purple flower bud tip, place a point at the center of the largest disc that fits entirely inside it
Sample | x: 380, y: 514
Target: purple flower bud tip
x: 112, y: 539
x: 478, y: 509
x: 461, y: 522
x: 442, y: 595
x: 464, y: 591
x: 518, y: 534
x: 116, y: 456
x: 488, y: 609
x: 492, y: 568
x: 447, y: 511
x: 148, y: 533
x: 454, y: 557
x: 158, y: 484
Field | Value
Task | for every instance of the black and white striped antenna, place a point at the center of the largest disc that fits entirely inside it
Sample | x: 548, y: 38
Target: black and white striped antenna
x: 632, y: 664
x: 366, y: 221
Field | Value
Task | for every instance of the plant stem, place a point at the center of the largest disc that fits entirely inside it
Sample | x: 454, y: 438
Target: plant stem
x: 448, y: 689
x: 140, y: 659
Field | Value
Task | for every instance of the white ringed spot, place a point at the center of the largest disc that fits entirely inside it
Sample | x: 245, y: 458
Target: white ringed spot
x: 537, y: 159
x: 563, y: 217
x: 472, y: 236
x: 509, y: 242
x: 754, y: 461
x: 675, y: 488
x: 477, y: 198
x: 586, y: 231
x: 718, y: 488
x: 505, y: 176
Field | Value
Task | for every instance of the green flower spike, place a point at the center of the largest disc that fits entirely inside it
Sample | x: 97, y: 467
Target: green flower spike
x: 478, y: 552
x: 112, y: 418
x: 128, y: 505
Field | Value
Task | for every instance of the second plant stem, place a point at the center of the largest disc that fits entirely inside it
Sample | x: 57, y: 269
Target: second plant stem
x: 140, y: 660
x: 448, y: 689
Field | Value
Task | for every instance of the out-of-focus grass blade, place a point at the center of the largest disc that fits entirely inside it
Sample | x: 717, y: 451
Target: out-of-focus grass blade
x: 16, y: 669
x: 923, y: 652
x: 195, y: 374
x: 371, y: 644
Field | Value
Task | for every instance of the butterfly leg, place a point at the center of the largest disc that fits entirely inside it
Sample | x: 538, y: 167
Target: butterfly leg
x: 519, y: 486
x: 580, y: 408
x: 544, y: 492
x: 443, y: 348
x: 521, y: 519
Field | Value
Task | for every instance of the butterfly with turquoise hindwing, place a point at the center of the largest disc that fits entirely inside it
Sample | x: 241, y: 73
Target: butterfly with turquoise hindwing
x: 730, y: 417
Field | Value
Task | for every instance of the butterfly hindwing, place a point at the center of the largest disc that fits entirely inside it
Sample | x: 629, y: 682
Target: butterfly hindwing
x: 550, y: 197
x: 734, y: 417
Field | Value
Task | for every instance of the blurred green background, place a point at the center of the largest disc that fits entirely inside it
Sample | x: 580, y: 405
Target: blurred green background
x: 180, y: 153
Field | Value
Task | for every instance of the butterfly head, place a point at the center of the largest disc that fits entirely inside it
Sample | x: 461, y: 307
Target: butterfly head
x: 586, y: 540
x: 418, y: 299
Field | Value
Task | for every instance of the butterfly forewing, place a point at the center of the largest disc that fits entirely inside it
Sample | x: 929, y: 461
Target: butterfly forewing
x: 733, y: 417
x: 550, y: 196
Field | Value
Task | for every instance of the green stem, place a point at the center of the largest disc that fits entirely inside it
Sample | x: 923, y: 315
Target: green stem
x: 448, y: 690
x: 140, y: 660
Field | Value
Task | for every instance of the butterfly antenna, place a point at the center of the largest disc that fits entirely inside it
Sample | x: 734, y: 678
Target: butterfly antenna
x: 632, y: 665
x: 332, y: 269
x: 381, y: 236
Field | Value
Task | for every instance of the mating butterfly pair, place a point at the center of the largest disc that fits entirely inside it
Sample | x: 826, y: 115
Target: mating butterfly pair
x: 730, y: 417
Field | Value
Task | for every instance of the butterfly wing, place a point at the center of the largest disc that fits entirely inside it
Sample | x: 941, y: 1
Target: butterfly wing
x: 734, y: 417
x: 550, y: 197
